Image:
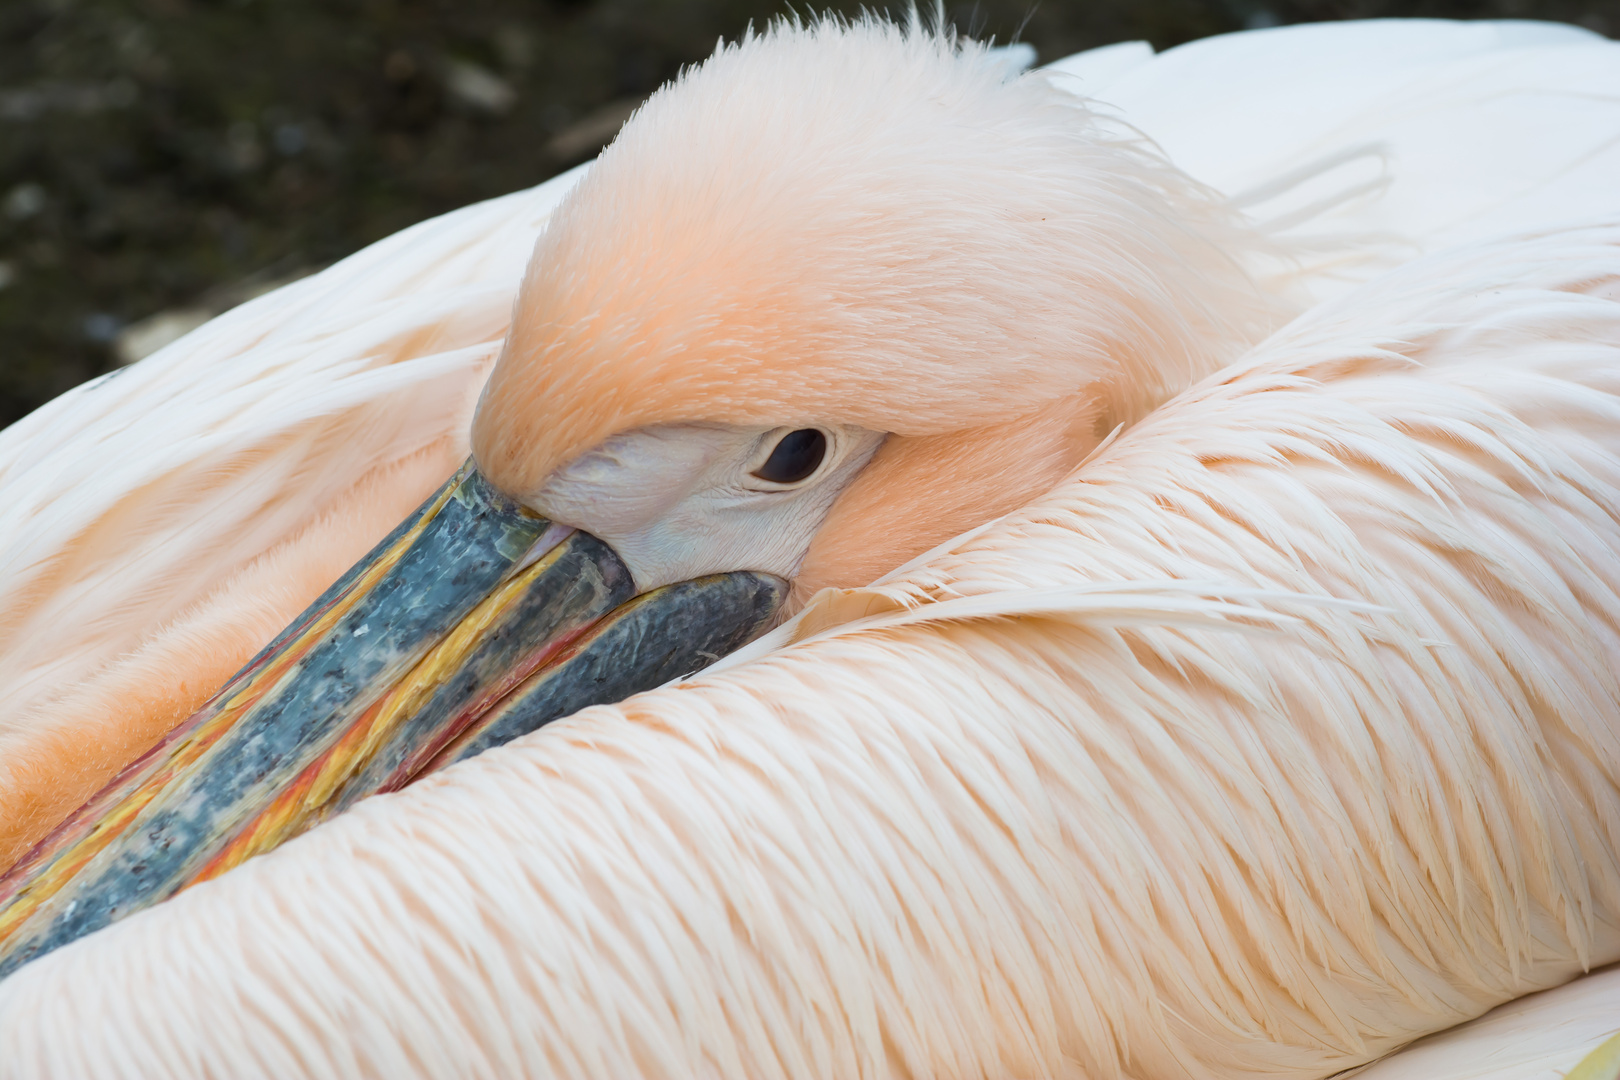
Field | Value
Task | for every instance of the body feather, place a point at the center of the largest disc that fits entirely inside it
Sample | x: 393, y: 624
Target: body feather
x: 1090, y: 830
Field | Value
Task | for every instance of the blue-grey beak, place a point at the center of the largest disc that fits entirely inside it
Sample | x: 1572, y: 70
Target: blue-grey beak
x: 474, y: 622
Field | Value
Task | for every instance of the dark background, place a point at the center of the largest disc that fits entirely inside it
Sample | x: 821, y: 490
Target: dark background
x: 161, y: 160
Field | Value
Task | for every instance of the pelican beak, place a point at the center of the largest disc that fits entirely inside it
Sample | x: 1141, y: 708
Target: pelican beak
x: 474, y: 622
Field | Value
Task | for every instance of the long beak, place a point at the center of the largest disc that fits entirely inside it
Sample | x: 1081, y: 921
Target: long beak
x: 474, y: 622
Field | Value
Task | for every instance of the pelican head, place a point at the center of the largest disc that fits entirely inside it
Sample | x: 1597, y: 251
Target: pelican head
x: 833, y: 296
x: 866, y: 245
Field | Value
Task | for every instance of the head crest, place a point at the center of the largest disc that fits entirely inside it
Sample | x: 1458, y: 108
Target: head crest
x: 859, y: 223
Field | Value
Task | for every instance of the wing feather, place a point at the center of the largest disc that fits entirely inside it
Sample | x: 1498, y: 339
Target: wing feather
x: 1079, y: 829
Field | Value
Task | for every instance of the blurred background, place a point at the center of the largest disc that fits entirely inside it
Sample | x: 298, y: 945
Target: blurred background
x: 163, y: 160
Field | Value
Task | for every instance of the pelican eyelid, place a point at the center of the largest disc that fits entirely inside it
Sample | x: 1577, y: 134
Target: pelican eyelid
x: 798, y: 455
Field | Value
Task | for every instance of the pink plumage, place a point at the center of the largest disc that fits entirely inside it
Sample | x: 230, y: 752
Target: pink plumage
x: 1262, y: 721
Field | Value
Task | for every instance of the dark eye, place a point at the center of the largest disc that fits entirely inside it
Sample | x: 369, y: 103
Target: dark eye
x: 797, y: 456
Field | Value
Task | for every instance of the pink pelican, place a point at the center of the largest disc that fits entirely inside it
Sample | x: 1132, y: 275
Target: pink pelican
x: 1204, y: 559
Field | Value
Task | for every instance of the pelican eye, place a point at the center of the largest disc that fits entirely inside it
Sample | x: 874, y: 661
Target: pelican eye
x: 797, y: 456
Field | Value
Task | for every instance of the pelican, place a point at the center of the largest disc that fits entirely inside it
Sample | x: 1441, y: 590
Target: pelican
x: 1200, y: 553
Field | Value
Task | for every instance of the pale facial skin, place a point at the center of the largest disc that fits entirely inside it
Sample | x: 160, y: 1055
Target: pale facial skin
x: 678, y: 501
